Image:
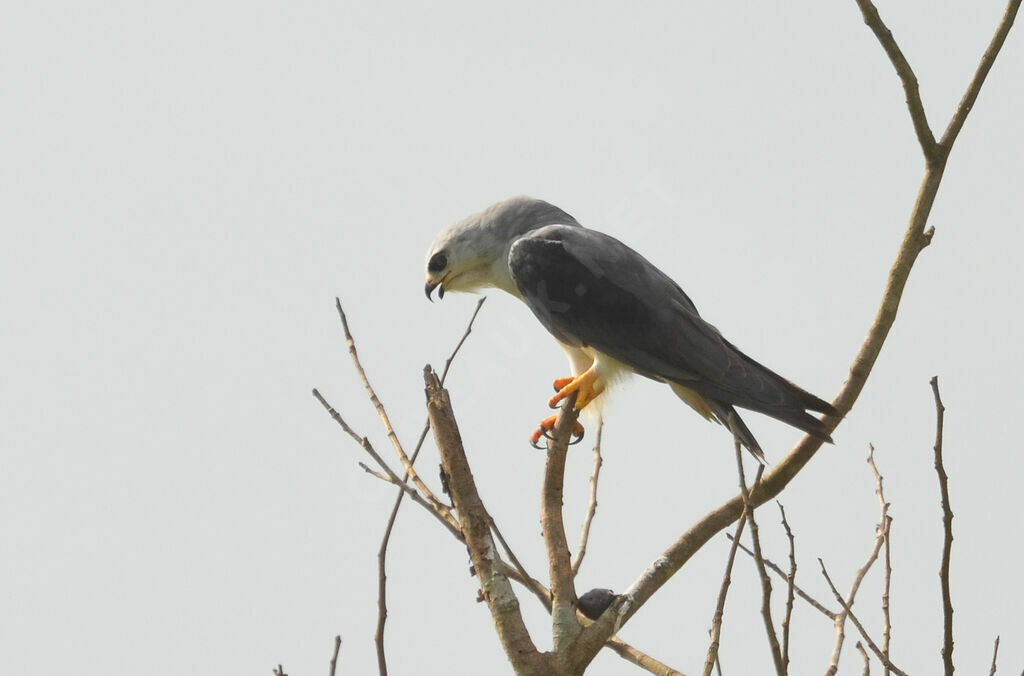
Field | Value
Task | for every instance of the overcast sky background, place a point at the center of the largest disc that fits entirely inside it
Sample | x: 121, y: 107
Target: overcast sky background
x: 186, y: 187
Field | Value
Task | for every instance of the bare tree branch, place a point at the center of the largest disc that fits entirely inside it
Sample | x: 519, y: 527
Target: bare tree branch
x: 583, y: 647
x: 516, y: 572
x: 642, y: 660
x: 439, y: 510
x: 790, y: 588
x: 880, y: 537
x: 581, y: 551
x: 476, y: 527
x: 971, y: 95
x: 853, y: 618
x: 489, y: 567
x: 766, y: 584
x: 864, y: 656
x: 947, y: 527
x: 381, y: 411
x: 382, y: 550
x: 620, y: 647
x: 334, y: 657
x: 995, y: 654
x: 528, y: 581
x: 451, y: 524
x: 716, y: 621
x: 885, y: 528
x: 906, y: 75
x: 774, y: 567
x: 564, y: 624
x: 915, y: 239
x: 462, y: 341
x: 623, y: 649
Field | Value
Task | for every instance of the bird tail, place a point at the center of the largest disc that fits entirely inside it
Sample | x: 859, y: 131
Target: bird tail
x: 798, y: 418
x: 795, y: 414
x: 802, y: 421
x: 728, y: 416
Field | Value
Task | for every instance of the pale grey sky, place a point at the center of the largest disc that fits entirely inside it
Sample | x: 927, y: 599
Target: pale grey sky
x: 187, y: 186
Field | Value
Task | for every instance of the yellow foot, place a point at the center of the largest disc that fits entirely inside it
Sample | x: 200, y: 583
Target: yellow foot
x: 586, y: 386
x: 545, y: 426
x: 561, y: 382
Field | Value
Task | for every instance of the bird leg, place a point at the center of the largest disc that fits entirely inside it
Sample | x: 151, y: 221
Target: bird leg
x: 586, y: 385
x: 544, y: 428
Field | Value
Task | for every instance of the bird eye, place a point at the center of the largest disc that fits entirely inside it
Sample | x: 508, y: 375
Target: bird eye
x: 438, y: 262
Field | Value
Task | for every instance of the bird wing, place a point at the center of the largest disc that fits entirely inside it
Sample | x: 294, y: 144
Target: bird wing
x: 589, y: 289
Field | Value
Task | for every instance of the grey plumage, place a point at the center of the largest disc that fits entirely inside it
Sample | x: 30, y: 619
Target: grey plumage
x: 589, y: 289
x: 597, y: 295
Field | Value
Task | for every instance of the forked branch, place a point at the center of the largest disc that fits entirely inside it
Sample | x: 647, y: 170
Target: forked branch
x: 476, y: 527
x: 915, y: 239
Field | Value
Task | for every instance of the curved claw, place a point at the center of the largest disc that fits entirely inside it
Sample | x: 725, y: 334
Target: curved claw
x: 545, y: 427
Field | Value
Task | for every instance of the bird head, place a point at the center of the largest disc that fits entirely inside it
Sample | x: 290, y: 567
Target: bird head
x: 473, y: 253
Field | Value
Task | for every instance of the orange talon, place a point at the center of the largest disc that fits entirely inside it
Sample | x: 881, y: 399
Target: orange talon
x: 547, y: 425
x: 586, y: 386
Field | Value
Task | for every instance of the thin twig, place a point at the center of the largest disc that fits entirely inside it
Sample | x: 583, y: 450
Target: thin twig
x: 853, y: 618
x: 766, y: 585
x: 995, y: 654
x: 462, y: 340
x: 384, y: 477
x: 581, y: 551
x: 886, y: 585
x: 381, y: 411
x: 334, y: 657
x: 528, y: 580
x: 382, y: 550
x: 439, y: 509
x: 947, y: 527
x: 880, y: 536
x: 790, y: 587
x: 367, y: 446
x: 774, y: 567
x: 885, y: 529
x: 906, y: 75
x: 716, y: 620
x: 864, y: 656
x: 451, y: 524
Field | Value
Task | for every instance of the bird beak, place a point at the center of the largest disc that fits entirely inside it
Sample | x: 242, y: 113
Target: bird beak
x: 429, y: 289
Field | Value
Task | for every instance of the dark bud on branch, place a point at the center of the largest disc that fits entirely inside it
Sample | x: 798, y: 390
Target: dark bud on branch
x: 595, y: 601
